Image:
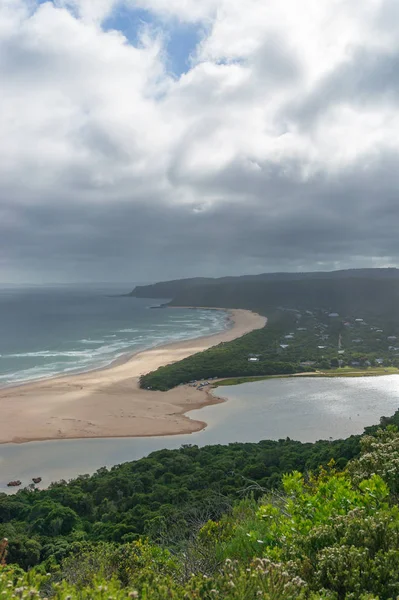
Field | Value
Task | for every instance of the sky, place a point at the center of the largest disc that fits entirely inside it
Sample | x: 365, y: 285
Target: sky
x: 145, y: 140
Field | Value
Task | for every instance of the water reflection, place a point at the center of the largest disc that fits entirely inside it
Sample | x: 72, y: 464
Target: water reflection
x: 303, y: 409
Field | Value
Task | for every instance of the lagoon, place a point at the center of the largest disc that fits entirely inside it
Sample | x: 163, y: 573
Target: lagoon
x: 304, y: 409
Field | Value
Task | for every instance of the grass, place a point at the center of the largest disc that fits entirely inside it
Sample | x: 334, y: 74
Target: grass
x: 343, y: 372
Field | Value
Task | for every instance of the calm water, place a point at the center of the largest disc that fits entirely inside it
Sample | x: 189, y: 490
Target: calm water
x: 303, y: 409
x: 48, y: 331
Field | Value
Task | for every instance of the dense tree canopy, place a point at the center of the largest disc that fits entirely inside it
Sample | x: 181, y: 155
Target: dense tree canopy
x: 324, y: 534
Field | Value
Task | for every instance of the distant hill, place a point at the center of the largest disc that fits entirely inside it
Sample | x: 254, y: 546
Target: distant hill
x: 360, y: 297
x: 170, y: 289
x: 353, y: 291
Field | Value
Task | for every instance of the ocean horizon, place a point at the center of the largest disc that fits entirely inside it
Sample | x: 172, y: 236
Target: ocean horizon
x: 53, y: 330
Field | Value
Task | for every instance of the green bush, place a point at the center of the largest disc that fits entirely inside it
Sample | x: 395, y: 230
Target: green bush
x: 326, y: 534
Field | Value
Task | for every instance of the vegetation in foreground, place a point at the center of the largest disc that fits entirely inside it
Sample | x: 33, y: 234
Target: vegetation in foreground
x: 162, y: 495
x: 328, y: 534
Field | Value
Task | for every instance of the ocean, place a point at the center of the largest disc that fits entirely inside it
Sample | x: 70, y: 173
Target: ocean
x: 48, y: 331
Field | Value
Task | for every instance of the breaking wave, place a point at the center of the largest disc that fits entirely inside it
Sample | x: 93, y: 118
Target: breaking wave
x: 98, y: 351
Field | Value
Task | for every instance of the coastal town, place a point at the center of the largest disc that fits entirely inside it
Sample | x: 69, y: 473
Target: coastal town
x: 326, y: 339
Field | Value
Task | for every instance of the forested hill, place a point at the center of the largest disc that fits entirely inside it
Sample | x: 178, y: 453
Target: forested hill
x: 344, y: 296
x: 363, y: 291
x: 170, y: 289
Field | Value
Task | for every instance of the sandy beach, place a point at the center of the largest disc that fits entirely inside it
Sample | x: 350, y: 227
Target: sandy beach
x: 109, y: 402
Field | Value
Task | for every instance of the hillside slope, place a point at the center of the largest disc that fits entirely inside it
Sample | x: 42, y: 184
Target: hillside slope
x: 170, y: 289
x: 345, y: 296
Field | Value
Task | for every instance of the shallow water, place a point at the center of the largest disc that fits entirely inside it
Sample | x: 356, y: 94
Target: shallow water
x: 304, y: 409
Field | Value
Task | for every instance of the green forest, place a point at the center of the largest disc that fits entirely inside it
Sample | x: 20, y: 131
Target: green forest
x: 244, y: 521
x: 230, y: 359
x: 293, y: 341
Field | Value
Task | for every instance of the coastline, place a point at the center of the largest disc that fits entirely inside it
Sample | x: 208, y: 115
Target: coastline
x: 125, y: 357
x: 108, y: 402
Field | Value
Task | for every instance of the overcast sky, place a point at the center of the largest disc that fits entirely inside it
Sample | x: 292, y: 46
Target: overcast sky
x: 154, y: 139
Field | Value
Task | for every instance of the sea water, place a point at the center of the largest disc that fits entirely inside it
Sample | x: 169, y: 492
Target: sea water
x: 59, y: 330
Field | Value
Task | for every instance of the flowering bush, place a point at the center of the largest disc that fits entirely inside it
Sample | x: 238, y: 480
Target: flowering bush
x: 379, y: 454
x: 262, y: 579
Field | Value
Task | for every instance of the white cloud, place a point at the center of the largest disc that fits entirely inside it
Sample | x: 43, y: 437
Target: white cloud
x: 76, y: 99
x: 280, y: 95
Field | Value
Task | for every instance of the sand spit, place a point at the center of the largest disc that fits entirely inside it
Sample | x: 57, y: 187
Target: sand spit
x: 108, y: 402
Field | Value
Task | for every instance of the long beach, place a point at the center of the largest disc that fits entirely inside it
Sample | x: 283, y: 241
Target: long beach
x: 109, y: 402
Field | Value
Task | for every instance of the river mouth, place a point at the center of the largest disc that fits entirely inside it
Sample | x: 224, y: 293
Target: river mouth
x: 302, y: 409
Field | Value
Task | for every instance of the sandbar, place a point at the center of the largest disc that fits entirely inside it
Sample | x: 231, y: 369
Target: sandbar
x: 109, y: 402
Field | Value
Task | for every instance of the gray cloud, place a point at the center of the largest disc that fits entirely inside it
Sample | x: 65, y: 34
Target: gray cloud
x: 134, y: 239
x: 266, y: 155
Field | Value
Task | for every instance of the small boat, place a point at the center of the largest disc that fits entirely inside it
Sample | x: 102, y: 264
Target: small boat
x: 15, y: 483
x: 36, y: 479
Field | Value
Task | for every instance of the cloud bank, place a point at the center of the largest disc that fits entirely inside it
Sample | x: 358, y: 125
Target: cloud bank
x: 277, y: 149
